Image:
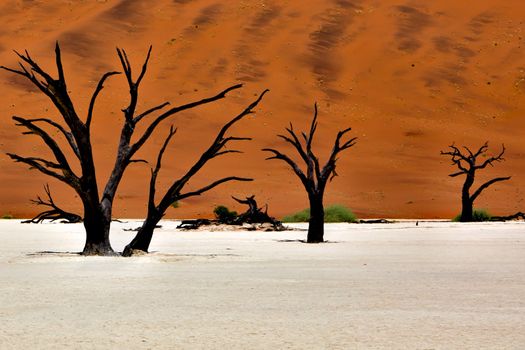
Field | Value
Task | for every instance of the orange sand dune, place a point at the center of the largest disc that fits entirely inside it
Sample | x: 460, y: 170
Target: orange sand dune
x: 410, y: 77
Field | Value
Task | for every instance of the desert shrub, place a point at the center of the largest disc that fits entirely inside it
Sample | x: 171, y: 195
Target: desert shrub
x: 7, y: 216
x: 175, y: 204
x: 332, y: 213
x: 339, y: 213
x: 478, y: 215
x: 223, y: 214
x: 300, y: 216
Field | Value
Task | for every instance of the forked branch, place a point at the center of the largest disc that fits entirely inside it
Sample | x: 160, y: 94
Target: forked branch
x: 216, y: 149
x: 314, y: 178
x: 53, y: 214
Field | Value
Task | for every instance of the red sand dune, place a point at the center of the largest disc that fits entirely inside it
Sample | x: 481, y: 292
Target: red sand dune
x: 410, y: 77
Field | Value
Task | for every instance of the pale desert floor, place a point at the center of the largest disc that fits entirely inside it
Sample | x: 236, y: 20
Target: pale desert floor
x: 435, y: 286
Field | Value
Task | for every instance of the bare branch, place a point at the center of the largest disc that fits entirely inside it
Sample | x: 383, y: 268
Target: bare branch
x: 211, y: 186
x: 53, y: 214
x: 313, y: 127
x: 295, y: 142
x: 35, y: 67
x: 149, y: 111
x: 487, y: 184
x: 328, y: 172
x: 175, y: 110
x: 144, y: 66
x: 244, y: 201
x: 48, y: 140
x: 125, y: 64
x: 458, y: 173
x: 68, y: 135
x: 247, y: 110
x: 35, y: 164
x: 226, y: 152
x: 22, y: 73
x: 155, y: 171
x: 60, y: 69
x: 481, y: 150
x: 297, y: 170
x: 212, y: 151
x: 457, y: 157
x: 99, y: 87
x: 493, y: 159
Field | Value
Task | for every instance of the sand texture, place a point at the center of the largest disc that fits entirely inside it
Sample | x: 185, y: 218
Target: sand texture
x: 395, y: 286
x: 410, y: 77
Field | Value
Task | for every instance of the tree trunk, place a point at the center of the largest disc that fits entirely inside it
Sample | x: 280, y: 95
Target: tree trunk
x: 466, y: 203
x: 143, y: 238
x: 466, y: 210
x: 97, y: 234
x: 316, y: 223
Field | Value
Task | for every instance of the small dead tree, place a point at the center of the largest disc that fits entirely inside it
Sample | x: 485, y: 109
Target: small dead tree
x: 53, y: 214
x: 315, y: 178
x: 468, y: 162
x: 254, y: 214
x: 77, y: 132
x: 176, y: 192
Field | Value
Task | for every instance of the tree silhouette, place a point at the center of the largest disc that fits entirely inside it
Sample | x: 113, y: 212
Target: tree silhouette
x: 77, y: 132
x: 315, y: 178
x: 176, y: 191
x: 468, y: 163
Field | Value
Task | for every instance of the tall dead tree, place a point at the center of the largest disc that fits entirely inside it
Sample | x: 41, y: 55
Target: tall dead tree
x: 77, y: 132
x: 315, y: 178
x: 468, y: 163
x: 176, y: 191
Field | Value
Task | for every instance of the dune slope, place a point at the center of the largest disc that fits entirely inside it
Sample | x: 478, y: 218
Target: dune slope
x: 410, y: 78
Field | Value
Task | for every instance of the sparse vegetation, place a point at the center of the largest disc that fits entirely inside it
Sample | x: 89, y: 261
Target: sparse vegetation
x: 300, y: 216
x: 7, y: 216
x: 478, y: 215
x: 332, y: 213
x: 223, y: 214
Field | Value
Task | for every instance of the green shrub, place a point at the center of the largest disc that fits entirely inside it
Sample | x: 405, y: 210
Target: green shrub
x: 478, y: 215
x: 300, y: 216
x: 7, y: 216
x: 332, y: 213
x: 223, y: 214
x: 339, y: 213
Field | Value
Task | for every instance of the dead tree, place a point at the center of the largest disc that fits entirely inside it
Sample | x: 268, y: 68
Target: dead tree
x: 254, y: 214
x: 253, y: 210
x: 467, y: 163
x: 315, y: 178
x: 53, y: 214
x: 176, y: 192
x: 77, y: 132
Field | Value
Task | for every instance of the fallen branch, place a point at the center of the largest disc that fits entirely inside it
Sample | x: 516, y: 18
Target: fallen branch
x: 518, y: 215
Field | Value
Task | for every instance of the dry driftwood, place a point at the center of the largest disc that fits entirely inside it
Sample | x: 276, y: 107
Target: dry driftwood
x: 253, y: 219
x: 517, y: 216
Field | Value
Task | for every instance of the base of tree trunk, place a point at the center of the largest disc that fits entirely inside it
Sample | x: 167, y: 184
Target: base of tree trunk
x: 315, y: 235
x: 128, y: 251
x: 98, y: 249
